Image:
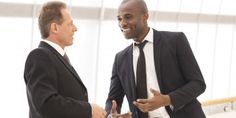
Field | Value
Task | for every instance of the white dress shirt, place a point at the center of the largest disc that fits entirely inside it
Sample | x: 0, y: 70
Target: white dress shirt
x: 150, y: 72
x: 55, y: 46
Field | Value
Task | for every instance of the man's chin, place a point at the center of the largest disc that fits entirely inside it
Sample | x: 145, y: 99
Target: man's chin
x: 127, y: 37
x: 70, y: 43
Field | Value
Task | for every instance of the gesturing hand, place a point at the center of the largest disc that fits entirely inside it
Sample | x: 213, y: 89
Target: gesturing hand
x: 114, y: 114
x: 157, y: 101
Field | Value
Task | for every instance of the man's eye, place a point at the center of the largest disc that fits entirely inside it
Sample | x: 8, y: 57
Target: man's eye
x: 119, y: 19
x: 127, y: 17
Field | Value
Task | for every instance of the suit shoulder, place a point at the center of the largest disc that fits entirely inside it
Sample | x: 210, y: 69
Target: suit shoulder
x: 124, y: 52
x: 39, y: 53
x: 40, y: 50
x: 168, y: 37
x: 169, y: 34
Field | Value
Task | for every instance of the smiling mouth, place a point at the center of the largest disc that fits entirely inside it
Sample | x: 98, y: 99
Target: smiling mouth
x: 125, y: 30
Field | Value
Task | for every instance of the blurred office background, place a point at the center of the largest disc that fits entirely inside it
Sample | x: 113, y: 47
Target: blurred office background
x: 210, y: 26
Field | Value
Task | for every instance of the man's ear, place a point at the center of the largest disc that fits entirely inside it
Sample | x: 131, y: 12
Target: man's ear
x: 146, y: 16
x: 54, y: 28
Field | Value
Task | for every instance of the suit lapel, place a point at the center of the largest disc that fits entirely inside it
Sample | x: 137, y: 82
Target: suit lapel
x: 71, y: 69
x: 59, y: 56
x: 157, y: 43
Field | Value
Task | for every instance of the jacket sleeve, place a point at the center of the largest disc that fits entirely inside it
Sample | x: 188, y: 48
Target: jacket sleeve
x: 194, y: 82
x: 116, y: 91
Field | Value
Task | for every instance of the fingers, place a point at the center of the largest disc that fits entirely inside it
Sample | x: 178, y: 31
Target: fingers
x: 114, y: 114
x: 104, y: 113
x: 141, y: 105
x: 125, y: 115
x: 155, y: 92
x: 143, y: 101
x: 113, y: 111
x: 113, y: 108
x: 101, y: 113
x: 97, y: 111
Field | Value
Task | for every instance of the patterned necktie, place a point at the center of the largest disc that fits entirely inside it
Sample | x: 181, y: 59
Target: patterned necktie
x: 141, y: 88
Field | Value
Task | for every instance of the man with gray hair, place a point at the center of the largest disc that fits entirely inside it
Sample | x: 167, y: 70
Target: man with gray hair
x: 54, y: 89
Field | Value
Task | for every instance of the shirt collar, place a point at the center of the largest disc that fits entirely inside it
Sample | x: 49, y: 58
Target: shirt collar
x: 55, y: 46
x: 149, y: 36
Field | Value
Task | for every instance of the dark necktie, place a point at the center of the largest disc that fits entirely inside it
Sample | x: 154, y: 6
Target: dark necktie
x: 66, y: 58
x: 141, y: 88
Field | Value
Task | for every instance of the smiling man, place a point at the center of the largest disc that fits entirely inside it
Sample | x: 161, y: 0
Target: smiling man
x: 158, y: 73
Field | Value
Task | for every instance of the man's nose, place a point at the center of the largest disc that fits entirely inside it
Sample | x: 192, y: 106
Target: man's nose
x: 123, y: 23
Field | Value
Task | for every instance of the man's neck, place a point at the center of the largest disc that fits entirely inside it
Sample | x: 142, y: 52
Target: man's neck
x: 54, y: 40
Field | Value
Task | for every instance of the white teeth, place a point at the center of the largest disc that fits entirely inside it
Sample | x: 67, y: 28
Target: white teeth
x: 125, y: 30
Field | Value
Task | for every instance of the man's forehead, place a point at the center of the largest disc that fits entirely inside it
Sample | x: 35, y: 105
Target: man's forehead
x: 128, y: 11
x: 130, y: 7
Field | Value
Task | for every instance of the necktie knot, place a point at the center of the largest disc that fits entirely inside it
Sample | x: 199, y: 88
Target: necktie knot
x: 141, y: 45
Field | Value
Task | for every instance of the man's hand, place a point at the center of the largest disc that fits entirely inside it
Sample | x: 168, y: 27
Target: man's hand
x: 114, y: 114
x: 157, y: 101
x: 97, y: 111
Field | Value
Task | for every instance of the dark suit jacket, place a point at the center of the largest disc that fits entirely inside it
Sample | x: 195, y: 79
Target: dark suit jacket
x: 177, y: 73
x: 54, y: 89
